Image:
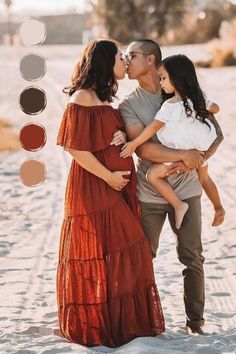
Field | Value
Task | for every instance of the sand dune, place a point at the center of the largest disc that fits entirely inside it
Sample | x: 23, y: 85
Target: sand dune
x: 30, y: 221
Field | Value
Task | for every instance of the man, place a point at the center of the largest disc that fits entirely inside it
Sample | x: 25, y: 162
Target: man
x: 138, y: 110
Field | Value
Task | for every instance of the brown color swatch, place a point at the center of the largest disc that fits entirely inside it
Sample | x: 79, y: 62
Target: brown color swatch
x: 32, y: 173
x: 33, y: 137
x: 32, y: 100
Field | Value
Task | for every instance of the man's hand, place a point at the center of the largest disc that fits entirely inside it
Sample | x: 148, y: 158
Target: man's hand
x: 177, y: 167
x: 193, y: 159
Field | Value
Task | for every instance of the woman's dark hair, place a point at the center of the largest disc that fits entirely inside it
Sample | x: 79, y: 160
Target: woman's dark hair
x: 183, y: 77
x: 95, y: 70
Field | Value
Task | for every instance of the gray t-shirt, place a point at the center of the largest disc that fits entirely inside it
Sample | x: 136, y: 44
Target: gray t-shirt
x: 141, y: 107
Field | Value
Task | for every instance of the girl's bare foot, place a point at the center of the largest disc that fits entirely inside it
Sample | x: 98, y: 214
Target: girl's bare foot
x: 219, y: 216
x: 180, y: 211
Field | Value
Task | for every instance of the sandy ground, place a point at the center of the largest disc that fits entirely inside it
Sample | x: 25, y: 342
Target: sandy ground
x: 30, y: 221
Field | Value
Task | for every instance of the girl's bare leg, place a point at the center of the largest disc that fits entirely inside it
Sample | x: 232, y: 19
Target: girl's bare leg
x: 155, y: 176
x: 212, y: 193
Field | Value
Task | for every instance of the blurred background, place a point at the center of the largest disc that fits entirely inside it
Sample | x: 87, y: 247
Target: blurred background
x: 170, y: 22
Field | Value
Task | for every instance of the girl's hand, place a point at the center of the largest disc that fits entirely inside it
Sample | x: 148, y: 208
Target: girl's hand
x: 117, y: 181
x: 119, y: 138
x: 128, y: 149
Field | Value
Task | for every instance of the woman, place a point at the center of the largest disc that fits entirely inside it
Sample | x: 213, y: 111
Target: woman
x: 105, y: 283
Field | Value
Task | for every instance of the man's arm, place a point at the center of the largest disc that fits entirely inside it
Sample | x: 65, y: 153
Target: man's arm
x: 159, y: 153
x: 220, y: 137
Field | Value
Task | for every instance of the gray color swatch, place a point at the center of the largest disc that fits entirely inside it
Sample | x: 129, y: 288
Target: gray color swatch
x: 33, y: 67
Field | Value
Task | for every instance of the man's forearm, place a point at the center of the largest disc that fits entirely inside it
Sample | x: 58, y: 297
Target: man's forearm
x: 220, y: 137
x: 159, y: 153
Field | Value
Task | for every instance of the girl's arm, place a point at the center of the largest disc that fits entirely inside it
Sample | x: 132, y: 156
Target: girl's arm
x: 129, y: 148
x: 90, y: 163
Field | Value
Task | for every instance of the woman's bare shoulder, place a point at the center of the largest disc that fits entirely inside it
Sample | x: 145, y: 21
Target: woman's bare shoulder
x: 83, y: 97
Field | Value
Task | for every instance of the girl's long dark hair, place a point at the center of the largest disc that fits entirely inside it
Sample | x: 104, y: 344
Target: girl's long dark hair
x: 95, y: 70
x: 183, y: 77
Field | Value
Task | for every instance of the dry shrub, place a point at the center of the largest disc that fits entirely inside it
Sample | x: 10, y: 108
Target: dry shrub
x: 203, y: 63
x: 223, y: 50
x: 5, y: 123
x: 224, y: 57
x: 9, y: 140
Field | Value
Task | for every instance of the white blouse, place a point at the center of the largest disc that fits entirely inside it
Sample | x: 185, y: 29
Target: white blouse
x: 181, y: 131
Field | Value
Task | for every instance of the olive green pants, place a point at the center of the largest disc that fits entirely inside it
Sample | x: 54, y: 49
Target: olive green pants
x: 189, y: 250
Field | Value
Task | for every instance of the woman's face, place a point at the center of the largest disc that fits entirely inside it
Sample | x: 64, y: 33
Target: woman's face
x: 119, y: 67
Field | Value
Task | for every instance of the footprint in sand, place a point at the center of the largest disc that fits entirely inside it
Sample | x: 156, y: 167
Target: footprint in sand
x: 4, y: 253
x: 23, y: 351
x: 33, y: 330
x: 219, y: 268
x: 224, y: 315
x: 50, y: 314
x: 211, y: 262
x: 3, y: 318
x: 213, y: 277
x: 221, y: 294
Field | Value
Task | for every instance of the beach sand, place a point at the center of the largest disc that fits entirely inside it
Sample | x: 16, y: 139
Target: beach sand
x: 30, y: 221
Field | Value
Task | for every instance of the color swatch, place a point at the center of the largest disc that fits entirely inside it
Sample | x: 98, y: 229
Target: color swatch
x: 32, y: 173
x: 32, y: 100
x: 33, y: 137
x: 33, y: 32
x: 33, y: 67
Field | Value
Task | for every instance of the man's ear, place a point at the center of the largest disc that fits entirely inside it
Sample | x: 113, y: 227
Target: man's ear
x: 151, y: 59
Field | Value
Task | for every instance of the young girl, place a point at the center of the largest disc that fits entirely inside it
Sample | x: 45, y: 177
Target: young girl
x: 183, y: 122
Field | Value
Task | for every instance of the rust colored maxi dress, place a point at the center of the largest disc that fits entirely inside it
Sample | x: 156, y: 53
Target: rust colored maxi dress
x: 106, y: 291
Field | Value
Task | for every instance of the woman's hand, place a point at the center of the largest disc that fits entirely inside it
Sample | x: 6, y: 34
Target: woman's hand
x: 119, y: 138
x: 128, y: 149
x: 117, y: 181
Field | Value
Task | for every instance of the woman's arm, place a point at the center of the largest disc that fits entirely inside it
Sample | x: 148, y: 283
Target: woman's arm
x: 129, y: 148
x: 90, y: 163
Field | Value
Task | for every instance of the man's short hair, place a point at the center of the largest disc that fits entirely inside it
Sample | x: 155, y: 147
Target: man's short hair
x: 149, y: 46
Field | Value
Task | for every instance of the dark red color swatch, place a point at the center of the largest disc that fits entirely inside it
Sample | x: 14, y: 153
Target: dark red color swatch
x: 33, y: 137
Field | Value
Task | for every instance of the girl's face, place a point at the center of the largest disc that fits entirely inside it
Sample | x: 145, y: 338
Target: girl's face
x: 165, y: 82
x: 119, y: 67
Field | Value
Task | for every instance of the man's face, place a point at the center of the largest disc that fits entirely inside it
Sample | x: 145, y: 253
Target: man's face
x: 137, y: 62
